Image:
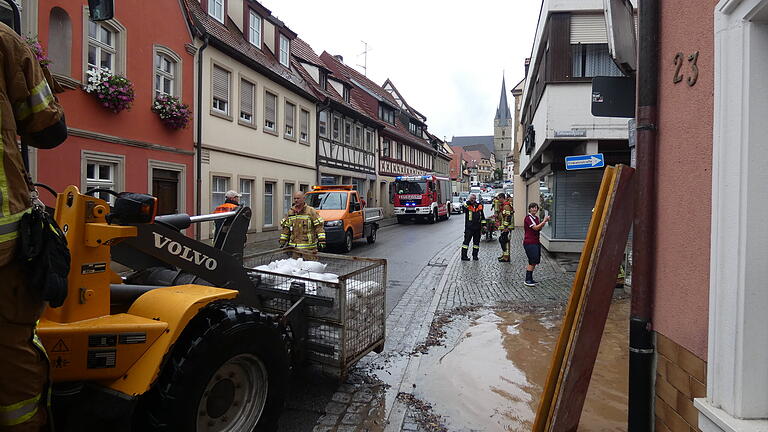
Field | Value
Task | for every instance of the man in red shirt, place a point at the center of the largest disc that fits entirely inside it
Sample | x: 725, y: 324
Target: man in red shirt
x: 531, y: 241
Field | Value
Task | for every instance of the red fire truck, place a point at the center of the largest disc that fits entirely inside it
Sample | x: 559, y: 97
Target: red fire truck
x: 425, y: 197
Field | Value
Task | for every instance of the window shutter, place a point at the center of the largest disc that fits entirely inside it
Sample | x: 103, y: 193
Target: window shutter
x: 588, y: 29
x: 304, y: 124
x: 246, y: 97
x: 269, y: 107
x: 290, y: 109
x: 220, y: 84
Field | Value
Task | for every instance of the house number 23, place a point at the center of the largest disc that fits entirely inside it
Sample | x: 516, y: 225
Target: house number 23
x: 694, y: 69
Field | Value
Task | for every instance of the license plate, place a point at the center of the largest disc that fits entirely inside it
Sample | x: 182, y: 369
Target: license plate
x: 410, y: 211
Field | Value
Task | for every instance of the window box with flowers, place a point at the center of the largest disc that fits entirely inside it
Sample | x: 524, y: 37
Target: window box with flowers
x: 172, y: 112
x: 114, y: 92
x: 37, y: 48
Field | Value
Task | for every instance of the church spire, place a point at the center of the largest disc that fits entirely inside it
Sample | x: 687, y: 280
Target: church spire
x: 502, y: 112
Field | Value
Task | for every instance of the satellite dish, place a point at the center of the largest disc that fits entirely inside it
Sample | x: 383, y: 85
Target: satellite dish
x: 620, y: 27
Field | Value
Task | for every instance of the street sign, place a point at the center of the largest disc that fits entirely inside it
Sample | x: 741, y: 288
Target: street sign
x: 584, y: 161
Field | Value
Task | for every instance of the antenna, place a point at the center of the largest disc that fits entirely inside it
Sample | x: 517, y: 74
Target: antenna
x: 365, y: 57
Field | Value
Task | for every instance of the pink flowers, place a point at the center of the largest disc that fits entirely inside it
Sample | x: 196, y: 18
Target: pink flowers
x: 114, y: 92
x: 172, y: 112
x: 40, y: 55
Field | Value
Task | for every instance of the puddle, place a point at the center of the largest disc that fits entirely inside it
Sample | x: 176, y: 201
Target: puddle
x: 489, y: 374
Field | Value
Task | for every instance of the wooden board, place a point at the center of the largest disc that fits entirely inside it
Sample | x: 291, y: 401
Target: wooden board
x: 584, y: 320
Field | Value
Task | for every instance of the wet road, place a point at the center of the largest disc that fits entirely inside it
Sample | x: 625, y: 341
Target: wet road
x: 408, y: 248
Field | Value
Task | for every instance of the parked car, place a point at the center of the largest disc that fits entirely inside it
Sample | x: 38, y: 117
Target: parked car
x: 486, y: 198
x: 456, y: 204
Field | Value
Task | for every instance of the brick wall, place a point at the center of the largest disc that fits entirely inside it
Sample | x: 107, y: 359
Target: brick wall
x: 680, y: 377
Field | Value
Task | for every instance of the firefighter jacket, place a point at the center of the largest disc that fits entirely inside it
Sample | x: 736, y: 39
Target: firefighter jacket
x: 505, y: 217
x: 302, y: 229
x: 27, y: 106
x: 473, y: 216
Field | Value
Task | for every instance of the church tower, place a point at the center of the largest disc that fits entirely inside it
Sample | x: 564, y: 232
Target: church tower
x: 503, y: 130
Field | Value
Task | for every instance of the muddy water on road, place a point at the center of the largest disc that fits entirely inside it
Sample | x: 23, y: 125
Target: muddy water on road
x: 490, y: 374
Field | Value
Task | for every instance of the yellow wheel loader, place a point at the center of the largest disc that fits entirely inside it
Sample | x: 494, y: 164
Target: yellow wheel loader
x: 183, y: 358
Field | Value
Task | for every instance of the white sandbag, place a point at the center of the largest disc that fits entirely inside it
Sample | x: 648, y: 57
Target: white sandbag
x: 312, y: 266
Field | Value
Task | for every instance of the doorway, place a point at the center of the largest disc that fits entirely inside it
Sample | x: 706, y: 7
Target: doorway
x: 165, y: 187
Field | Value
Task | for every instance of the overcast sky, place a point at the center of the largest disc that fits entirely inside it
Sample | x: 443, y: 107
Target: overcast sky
x: 445, y: 57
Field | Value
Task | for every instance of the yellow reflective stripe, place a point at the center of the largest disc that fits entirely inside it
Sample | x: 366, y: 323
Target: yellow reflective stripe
x: 475, y: 247
x: 4, y: 197
x: 9, y: 225
x: 290, y: 217
x: 465, y: 246
x: 39, y: 99
x: 19, y: 412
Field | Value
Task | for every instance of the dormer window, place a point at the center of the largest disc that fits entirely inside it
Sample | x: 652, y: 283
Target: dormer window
x: 346, y: 94
x: 323, y: 80
x: 387, y: 114
x: 285, y: 50
x: 254, y: 29
x: 216, y: 10
x: 414, y: 128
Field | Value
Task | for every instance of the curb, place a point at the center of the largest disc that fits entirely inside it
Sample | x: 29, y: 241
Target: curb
x: 395, y: 414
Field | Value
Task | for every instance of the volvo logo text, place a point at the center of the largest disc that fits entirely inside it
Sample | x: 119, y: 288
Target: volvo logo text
x: 184, y: 252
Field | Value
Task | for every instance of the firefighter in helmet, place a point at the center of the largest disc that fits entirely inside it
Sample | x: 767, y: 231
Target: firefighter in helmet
x: 473, y: 219
x: 302, y: 227
x: 506, y: 223
x: 29, y: 108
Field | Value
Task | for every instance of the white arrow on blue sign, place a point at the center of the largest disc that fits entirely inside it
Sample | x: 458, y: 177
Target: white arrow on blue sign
x: 584, y: 161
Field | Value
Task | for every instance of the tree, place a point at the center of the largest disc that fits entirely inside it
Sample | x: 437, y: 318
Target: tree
x: 498, y: 174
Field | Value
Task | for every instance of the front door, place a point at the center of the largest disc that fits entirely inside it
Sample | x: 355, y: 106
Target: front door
x: 165, y: 187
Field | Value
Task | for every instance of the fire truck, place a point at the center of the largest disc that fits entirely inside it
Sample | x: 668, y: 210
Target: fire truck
x: 425, y: 197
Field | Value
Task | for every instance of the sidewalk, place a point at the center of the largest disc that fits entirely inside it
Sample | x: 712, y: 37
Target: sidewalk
x: 446, y: 285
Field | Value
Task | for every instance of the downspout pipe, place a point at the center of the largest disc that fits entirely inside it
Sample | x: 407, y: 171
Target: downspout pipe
x: 199, y: 143
x: 641, y: 343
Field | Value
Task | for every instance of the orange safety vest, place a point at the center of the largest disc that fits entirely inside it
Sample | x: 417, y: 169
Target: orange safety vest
x: 226, y: 207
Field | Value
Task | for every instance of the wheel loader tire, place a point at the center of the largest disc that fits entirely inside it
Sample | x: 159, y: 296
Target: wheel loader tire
x: 227, y: 372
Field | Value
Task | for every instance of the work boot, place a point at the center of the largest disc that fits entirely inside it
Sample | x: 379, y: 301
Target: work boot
x: 474, y: 257
x: 464, y: 256
x: 504, y: 258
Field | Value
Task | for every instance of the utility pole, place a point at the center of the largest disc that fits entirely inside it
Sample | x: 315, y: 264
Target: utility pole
x: 365, y: 57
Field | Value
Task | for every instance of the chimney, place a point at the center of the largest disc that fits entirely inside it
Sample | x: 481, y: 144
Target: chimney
x: 339, y: 58
x: 527, y: 65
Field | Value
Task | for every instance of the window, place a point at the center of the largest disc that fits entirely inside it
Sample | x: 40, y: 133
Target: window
x: 101, y: 174
x: 304, y: 126
x: 304, y: 187
x: 323, y: 80
x: 347, y: 133
x: 219, y: 187
x: 246, y: 191
x: 368, y: 140
x: 414, y: 128
x: 270, y: 112
x: 220, y: 90
x: 387, y: 114
x: 247, y: 92
x: 336, y: 128
x: 269, y: 201
x: 399, y: 148
x: 287, y: 197
x: 216, y: 9
x: 346, y: 94
x: 60, y: 41
x: 591, y: 60
x: 290, y: 114
x: 358, y: 137
x: 322, y: 123
x: 285, y: 49
x: 101, y: 46
x: 165, y: 72
x: 385, y: 147
x: 254, y: 29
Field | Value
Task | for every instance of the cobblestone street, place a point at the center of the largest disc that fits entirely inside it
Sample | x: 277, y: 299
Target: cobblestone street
x: 369, y: 400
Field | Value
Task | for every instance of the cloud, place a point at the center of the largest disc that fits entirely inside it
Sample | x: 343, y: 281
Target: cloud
x: 445, y: 57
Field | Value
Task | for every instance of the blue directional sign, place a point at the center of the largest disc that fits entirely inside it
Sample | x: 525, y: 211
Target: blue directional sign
x: 584, y: 161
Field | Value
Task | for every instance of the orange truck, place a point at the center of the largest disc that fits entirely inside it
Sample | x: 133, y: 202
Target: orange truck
x: 345, y: 214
